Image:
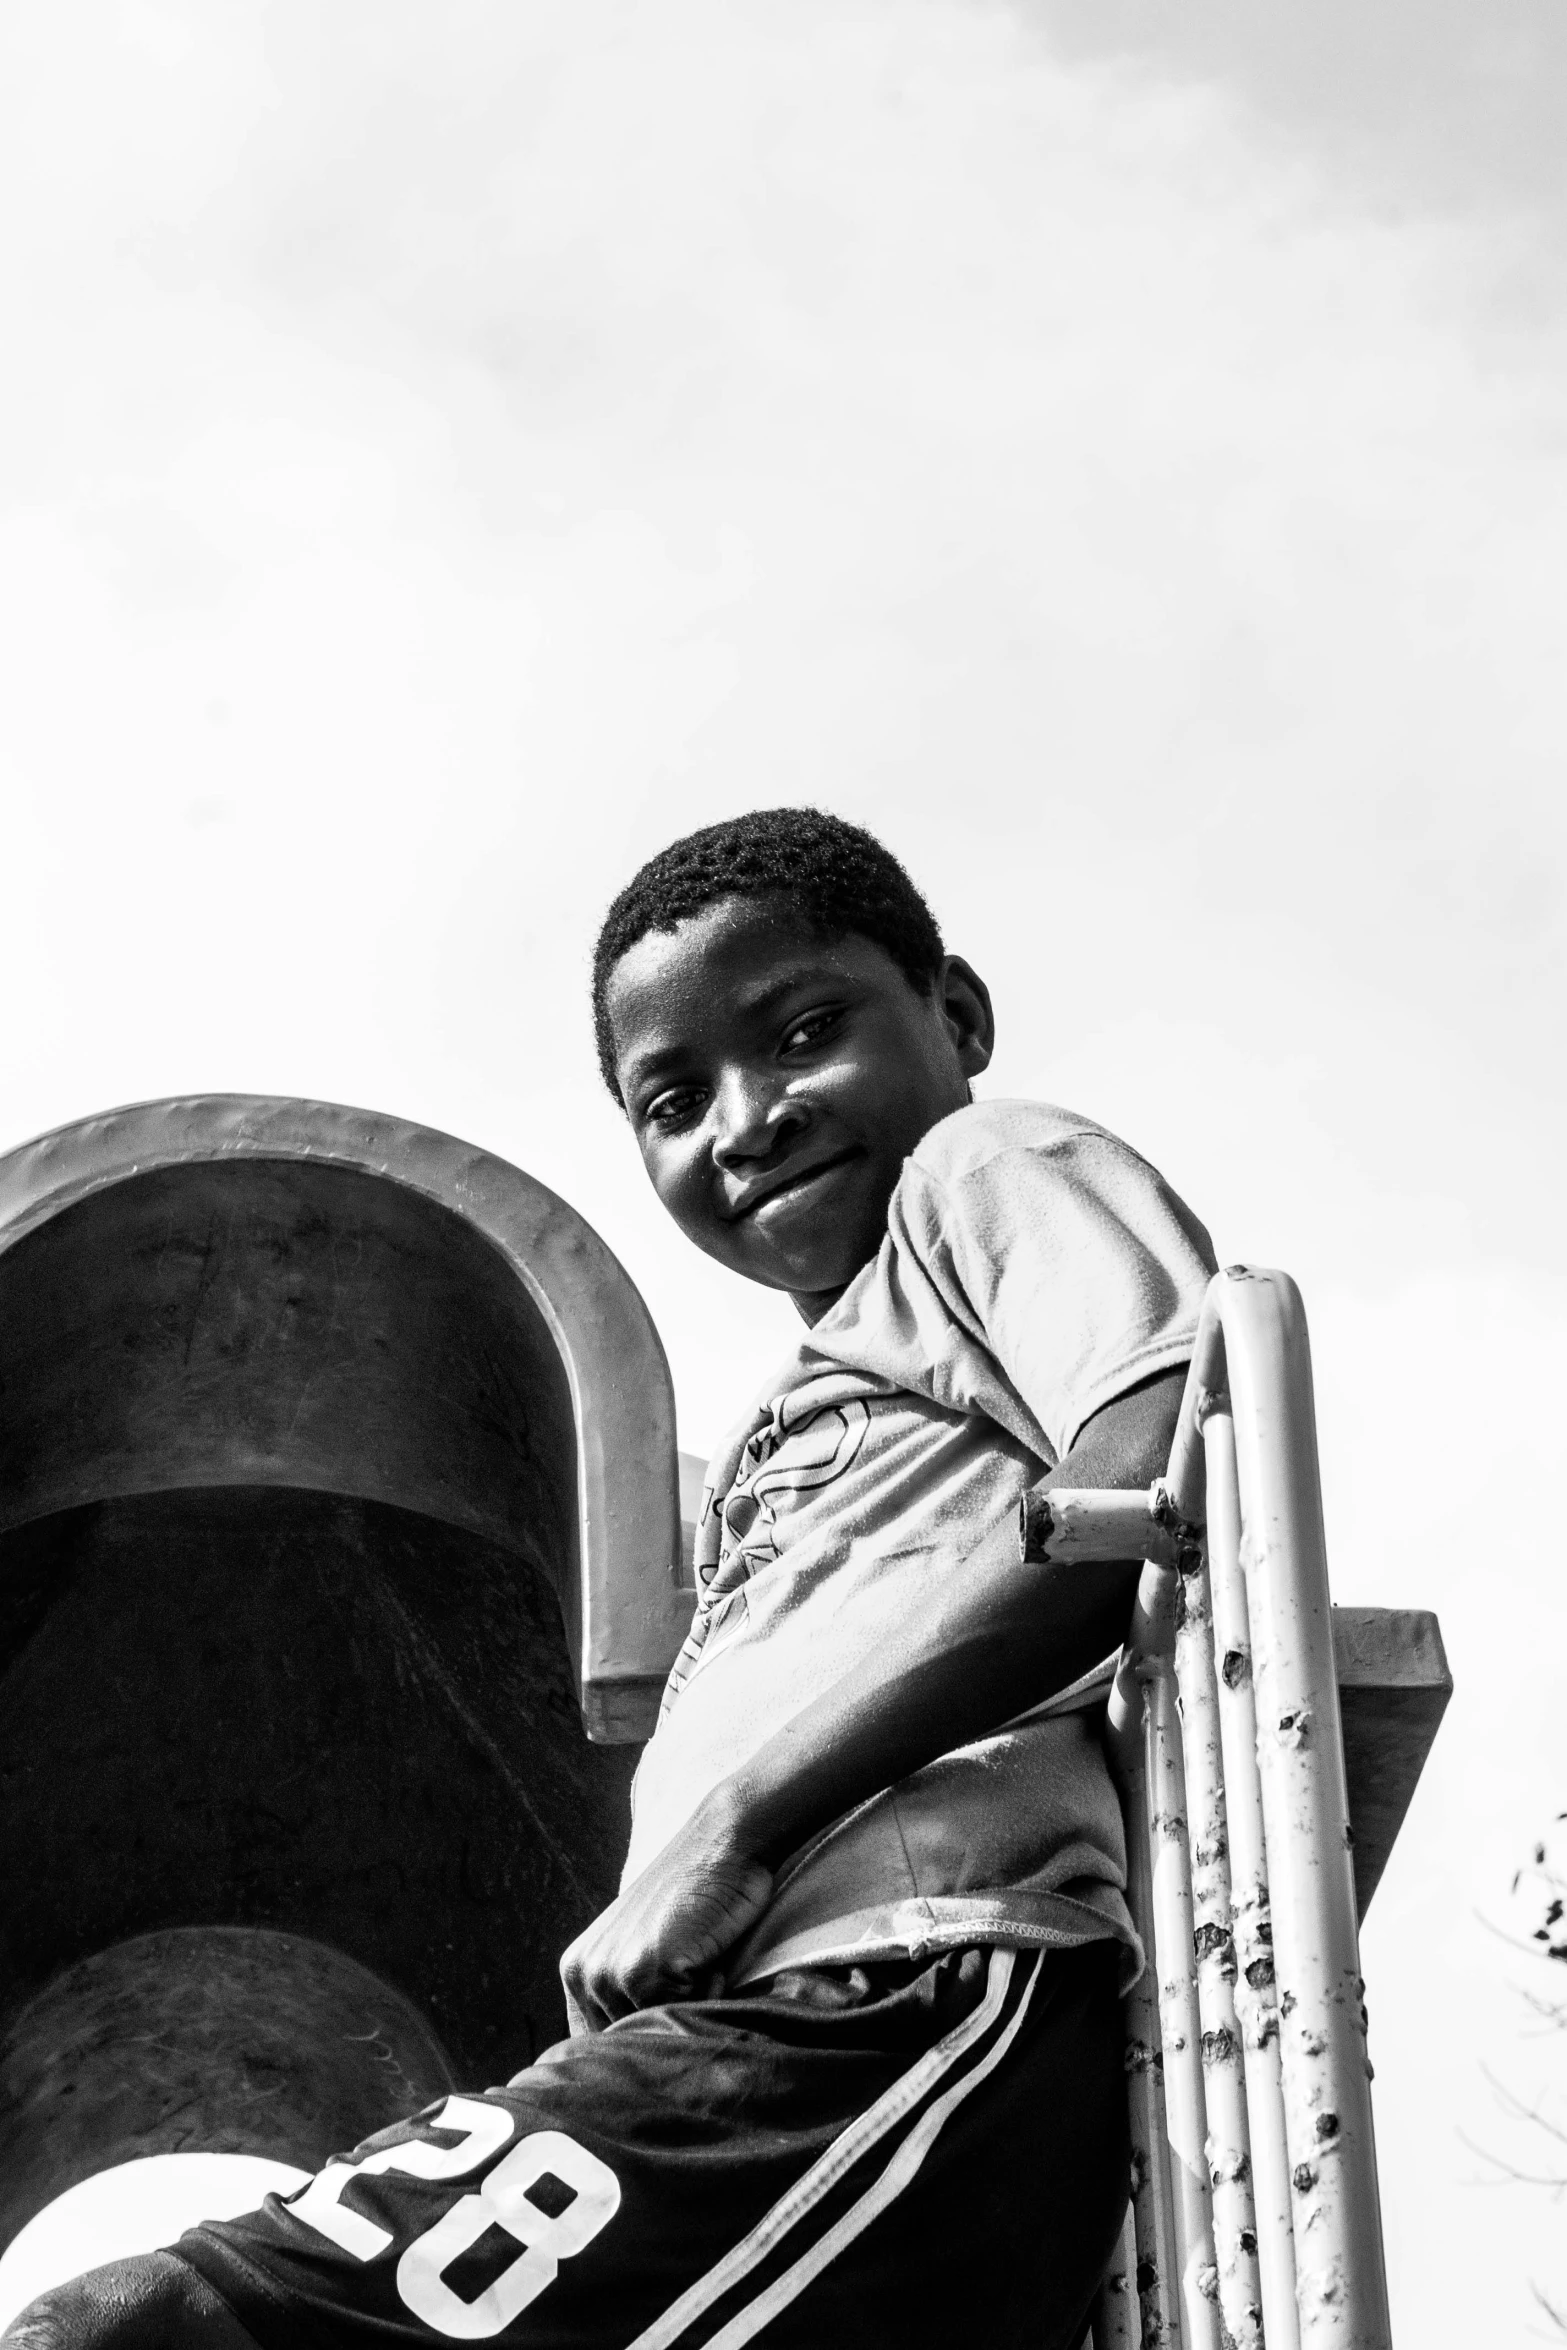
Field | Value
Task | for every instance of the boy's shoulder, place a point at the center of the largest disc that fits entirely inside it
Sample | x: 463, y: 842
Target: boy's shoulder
x: 968, y: 1140
x: 995, y: 1175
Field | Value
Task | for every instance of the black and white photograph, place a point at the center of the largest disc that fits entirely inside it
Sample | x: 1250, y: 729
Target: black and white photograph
x: 783, y: 1280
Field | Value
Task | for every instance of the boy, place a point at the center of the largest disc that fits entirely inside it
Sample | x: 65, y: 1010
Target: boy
x: 846, y: 2060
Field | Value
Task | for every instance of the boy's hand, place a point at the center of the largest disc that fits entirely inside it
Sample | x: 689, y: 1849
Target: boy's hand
x: 153, y: 2302
x: 666, y: 1936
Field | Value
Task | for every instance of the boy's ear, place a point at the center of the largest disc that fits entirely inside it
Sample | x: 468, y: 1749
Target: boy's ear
x: 965, y: 1003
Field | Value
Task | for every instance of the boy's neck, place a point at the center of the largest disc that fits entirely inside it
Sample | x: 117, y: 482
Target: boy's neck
x: 811, y: 1304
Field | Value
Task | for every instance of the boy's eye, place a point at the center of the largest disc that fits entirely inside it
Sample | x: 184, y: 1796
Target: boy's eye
x: 812, y: 1028
x: 676, y: 1107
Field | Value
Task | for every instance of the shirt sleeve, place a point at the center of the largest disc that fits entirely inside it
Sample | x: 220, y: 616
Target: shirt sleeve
x: 1070, y: 1265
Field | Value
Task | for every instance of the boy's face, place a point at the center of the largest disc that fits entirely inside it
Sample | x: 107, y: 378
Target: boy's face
x: 776, y: 1081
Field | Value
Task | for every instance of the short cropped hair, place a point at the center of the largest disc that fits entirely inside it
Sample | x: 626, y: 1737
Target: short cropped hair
x: 836, y: 875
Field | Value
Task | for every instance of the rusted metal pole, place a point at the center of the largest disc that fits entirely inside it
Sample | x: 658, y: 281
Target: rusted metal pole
x: 1228, y: 2147
x: 1244, y: 1460
x: 1179, y: 2017
x: 1116, y: 2320
x: 1340, y: 2280
x: 1068, y: 1525
x: 1256, y: 1999
x: 1186, y: 1478
x: 1153, y: 2214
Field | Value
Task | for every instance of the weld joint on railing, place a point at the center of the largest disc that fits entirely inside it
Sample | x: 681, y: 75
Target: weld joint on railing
x: 1063, y: 1524
x: 1184, y: 1538
x: 1209, y: 1401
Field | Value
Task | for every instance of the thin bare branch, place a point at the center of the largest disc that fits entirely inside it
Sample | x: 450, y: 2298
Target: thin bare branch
x: 1517, y: 2110
x: 1557, y: 2315
x: 1508, y: 2175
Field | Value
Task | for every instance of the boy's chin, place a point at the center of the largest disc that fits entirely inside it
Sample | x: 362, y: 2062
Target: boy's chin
x: 810, y: 1249
x: 814, y: 1280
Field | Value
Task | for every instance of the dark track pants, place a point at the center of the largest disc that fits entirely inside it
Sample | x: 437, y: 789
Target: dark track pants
x: 915, y: 2155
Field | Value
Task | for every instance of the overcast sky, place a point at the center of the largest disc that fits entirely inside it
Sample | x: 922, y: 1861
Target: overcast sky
x: 1117, y: 452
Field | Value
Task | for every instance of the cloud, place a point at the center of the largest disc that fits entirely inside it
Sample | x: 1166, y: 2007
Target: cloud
x: 1432, y: 108
x: 468, y: 446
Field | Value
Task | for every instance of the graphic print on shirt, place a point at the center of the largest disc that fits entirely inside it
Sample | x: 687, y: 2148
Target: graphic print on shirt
x: 765, y: 1470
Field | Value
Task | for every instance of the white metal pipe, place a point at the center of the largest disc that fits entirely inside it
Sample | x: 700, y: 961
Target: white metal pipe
x: 1084, y: 1525
x: 1179, y: 2017
x: 1158, y: 2266
x: 1153, y: 2195
x: 1256, y: 2000
x: 1340, y: 2280
x: 1228, y: 2147
x: 1186, y: 1476
x: 1116, y: 2323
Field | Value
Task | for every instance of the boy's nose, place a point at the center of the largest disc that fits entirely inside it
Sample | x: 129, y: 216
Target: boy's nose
x: 753, y: 1119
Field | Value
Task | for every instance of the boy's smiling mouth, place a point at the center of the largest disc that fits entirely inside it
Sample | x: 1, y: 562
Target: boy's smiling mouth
x: 788, y: 1183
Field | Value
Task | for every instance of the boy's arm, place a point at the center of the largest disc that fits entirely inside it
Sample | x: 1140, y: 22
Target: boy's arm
x: 988, y: 1642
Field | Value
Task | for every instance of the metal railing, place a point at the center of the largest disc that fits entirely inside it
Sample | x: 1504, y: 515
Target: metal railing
x: 1254, y: 2215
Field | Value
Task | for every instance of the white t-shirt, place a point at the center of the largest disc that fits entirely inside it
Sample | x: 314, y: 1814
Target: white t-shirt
x: 1034, y: 1269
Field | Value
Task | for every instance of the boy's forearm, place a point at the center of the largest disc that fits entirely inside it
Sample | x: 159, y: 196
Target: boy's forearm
x: 992, y: 1637
x: 995, y: 1638
x: 1023, y: 1633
